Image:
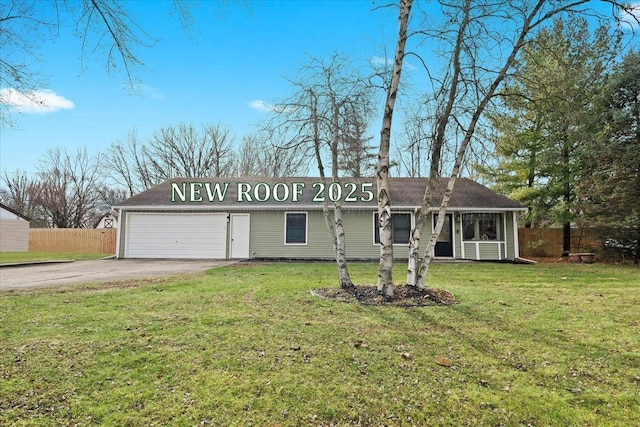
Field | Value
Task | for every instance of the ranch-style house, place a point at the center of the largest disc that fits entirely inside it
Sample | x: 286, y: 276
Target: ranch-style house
x: 281, y: 218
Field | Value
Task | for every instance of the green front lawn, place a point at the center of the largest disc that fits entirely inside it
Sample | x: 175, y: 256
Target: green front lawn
x: 548, y: 344
x: 11, y: 257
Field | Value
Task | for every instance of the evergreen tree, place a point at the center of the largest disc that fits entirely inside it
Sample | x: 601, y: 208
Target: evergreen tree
x: 546, y: 118
x: 610, y: 188
x: 356, y: 156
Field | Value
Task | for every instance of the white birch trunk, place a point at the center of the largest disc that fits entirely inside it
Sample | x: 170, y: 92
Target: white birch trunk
x: 338, y: 235
x: 336, y: 230
x: 436, y: 153
x: 385, y: 266
x: 416, y: 233
x: 341, y: 249
x: 334, y: 225
x: 526, y: 28
x: 426, y: 260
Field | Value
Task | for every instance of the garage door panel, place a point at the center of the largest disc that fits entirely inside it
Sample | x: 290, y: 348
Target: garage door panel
x: 176, y: 235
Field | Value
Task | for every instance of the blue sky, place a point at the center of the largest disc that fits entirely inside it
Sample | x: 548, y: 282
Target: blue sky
x: 231, y: 60
x: 215, y: 72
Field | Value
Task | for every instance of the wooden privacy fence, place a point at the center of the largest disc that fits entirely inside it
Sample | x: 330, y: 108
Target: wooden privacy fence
x: 547, y: 242
x: 75, y: 240
x: 533, y: 241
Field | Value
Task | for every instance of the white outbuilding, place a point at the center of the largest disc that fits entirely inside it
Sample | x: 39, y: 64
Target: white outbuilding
x: 14, y: 230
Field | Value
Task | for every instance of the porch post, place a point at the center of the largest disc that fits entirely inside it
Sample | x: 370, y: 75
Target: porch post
x: 516, y: 243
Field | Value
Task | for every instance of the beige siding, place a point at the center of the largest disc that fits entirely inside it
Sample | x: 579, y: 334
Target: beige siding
x: 267, y: 237
x: 14, y: 235
x: 360, y: 235
x: 481, y: 250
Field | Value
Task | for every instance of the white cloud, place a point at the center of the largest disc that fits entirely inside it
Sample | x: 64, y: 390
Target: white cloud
x: 37, y: 101
x: 148, y: 91
x: 260, y: 105
x: 379, y: 60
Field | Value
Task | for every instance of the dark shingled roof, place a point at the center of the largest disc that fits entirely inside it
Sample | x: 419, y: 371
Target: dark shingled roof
x: 405, y: 192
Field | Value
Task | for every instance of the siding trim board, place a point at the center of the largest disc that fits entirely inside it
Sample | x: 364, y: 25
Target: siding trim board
x: 203, y: 230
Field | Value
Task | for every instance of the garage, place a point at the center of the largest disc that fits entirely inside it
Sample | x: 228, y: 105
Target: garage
x: 176, y: 235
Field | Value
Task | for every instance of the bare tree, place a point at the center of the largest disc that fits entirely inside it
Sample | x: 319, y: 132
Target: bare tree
x: 67, y: 189
x: 183, y: 151
x: 105, y: 29
x: 414, y: 142
x: 475, y: 30
x: 108, y: 197
x: 126, y: 164
x: 17, y: 192
x: 481, y: 41
x: 19, y: 21
x: 171, y: 151
x: 330, y: 100
x: 385, y: 266
x: 264, y: 155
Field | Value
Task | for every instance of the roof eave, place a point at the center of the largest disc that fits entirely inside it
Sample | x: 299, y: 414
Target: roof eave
x: 213, y: 207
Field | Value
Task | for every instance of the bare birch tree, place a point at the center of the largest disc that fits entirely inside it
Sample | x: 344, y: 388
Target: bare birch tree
x: 385, y: 266
x: 329, y: 98
x: 476, y: 30
x: 482, y: 40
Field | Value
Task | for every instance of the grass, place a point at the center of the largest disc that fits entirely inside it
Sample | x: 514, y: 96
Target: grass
x: 553, y: 344
x: 11, y: 257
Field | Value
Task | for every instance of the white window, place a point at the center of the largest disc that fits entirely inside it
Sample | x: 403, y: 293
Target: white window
x: 295, y: 228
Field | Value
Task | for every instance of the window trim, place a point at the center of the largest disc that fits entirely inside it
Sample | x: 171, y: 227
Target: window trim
x: 375, y: 227
x: 306, y: 228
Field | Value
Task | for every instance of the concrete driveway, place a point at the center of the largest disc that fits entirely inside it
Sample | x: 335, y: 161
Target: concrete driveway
x: 107, y: 270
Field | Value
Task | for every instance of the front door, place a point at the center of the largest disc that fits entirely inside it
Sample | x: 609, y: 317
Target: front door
x: 239, y: 244
x: 444, y: 244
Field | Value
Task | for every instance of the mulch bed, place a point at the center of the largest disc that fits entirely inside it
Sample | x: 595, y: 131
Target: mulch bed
x: 404, y: 296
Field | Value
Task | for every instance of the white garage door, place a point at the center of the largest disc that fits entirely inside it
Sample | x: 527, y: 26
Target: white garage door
x: 179, y: 235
